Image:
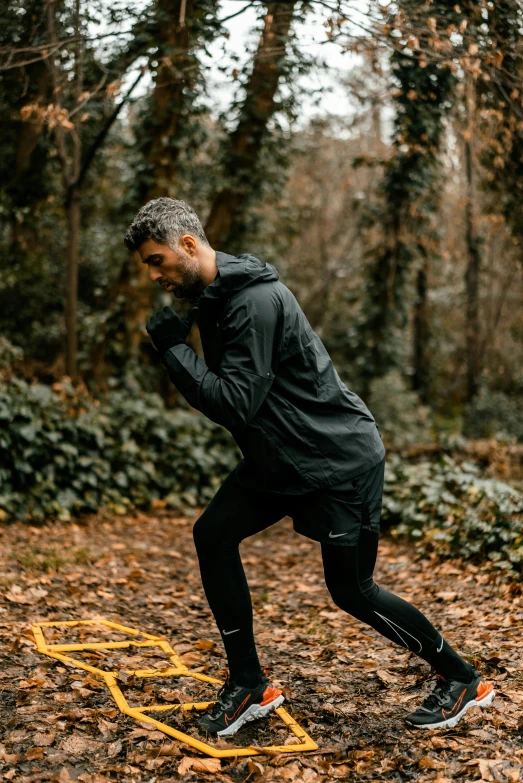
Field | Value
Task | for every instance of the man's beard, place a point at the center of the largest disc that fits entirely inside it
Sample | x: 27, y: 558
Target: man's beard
x: 192, y: 285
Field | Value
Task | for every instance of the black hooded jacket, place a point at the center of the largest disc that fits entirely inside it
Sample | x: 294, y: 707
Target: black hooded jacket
x: 268, y: 379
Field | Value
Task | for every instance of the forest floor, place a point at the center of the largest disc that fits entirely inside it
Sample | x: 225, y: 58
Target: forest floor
x: 348, y: 687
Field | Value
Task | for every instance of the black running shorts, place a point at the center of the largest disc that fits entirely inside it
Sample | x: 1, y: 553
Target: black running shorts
x: 333, y: 515
x: 337, y: 514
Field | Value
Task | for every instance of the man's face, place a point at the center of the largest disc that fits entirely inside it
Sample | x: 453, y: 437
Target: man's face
x: 178, y: 271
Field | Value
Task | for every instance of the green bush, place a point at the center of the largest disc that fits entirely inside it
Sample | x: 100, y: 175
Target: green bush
x: 495, y: 414
x: 10, y: 356
x: 63, y: 453
x: 451, y: 510
x: 401, y: 417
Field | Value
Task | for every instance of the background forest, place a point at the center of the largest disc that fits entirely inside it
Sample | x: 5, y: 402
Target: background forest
x: 390, y: 206
x: 372, y: 151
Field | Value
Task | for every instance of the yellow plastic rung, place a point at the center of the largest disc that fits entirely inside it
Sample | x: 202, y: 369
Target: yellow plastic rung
x: 150, y: 641
x: 165, y: 646
x: 99, y: 621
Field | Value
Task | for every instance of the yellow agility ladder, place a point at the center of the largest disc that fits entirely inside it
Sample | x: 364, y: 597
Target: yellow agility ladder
x: 141, y: 639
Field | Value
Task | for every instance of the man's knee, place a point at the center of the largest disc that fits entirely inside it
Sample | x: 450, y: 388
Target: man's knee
x: 352, y: 596
x: 209, y: 534
x: 201, y: 532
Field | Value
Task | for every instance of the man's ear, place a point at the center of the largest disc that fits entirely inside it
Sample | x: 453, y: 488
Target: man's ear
x: 189, y: 244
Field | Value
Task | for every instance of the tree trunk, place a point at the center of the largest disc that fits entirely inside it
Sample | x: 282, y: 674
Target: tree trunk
x: 174, y: 81
x: 473, y: 260
x: 73, y: 208
x: 170, y: 107
x: 71, y: 289
x: 228, y: 210
x: 420, y: 380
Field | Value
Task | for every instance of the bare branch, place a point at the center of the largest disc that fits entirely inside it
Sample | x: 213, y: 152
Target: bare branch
x: 105, y: 130
x: 236, y: 13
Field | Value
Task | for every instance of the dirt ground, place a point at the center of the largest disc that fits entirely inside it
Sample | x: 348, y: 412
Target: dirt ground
x: 346, y: 686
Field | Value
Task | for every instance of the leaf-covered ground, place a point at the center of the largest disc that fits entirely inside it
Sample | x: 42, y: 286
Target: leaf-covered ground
x: 348, y: 687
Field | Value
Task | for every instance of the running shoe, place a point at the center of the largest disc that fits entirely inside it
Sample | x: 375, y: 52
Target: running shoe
x: 449, y: 701
x: 236, y: 705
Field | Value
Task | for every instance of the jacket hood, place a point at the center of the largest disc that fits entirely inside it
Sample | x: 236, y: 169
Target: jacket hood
x: 237, y: 272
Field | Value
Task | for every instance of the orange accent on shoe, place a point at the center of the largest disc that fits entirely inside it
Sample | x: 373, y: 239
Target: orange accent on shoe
x: 455, y: 709
x: 484, y: 688
x: 269, y: 694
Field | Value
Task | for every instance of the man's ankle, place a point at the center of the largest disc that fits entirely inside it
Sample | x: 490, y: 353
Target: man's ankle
x: 464, y: 676
x: 246, y: 679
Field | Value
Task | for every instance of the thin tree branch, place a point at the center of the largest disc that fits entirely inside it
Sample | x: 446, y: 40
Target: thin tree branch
x: 56, y: 79
x: 105, y: 130
x: 90, y: 95
x: 236, y: 13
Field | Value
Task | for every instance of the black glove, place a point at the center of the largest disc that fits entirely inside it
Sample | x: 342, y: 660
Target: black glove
x: 166, y: 328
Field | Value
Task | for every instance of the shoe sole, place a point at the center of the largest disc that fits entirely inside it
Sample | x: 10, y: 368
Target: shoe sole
x: 451, y: 722
x: 254, y: 712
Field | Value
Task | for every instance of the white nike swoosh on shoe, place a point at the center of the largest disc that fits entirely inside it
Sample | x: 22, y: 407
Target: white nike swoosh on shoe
x: 336, y: 535
x: 226, y: 633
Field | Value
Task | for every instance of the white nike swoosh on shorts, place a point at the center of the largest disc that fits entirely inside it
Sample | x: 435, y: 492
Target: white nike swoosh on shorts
x: 336, y: 535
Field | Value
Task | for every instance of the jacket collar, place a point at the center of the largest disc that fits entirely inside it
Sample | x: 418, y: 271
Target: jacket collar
x: 235, y: 272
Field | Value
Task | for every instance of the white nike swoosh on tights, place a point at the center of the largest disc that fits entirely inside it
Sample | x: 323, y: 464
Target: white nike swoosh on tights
x: 441, y: 646
x: 336, y: 535
x: 226, y: 633
x: 395, y: 628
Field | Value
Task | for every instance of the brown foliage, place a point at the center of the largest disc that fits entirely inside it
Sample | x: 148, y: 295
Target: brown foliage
x: 347, y: 686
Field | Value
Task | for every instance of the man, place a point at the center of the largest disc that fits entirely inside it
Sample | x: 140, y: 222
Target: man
x: 311, y: 448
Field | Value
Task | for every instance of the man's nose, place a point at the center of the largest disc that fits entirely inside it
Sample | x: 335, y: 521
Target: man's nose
x: 154, y: 274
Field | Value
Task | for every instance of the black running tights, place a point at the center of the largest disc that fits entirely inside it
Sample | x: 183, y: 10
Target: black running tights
x: 349, y: 578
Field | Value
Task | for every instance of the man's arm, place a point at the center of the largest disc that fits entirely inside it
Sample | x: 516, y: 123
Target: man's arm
x: 233, y: 396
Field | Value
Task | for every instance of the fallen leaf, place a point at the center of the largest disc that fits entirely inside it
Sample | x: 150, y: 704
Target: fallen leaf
x: 199, y: 765
x: 205, y: 644
x: 114, y: 748
x: 427, y: 763
x: 34, y: 753
x: 255, y: 768
x: 386, y: 677
x: 447, y: 596
x: 44, y: 738
x: 77, y: 746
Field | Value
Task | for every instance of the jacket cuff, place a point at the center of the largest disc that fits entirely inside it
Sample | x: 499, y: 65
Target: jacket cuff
x: 163, y: 357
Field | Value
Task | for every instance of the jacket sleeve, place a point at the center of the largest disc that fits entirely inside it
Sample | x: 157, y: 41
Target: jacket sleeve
x: 233, y: 396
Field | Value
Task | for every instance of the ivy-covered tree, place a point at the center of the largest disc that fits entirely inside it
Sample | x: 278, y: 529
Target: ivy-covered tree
x: 407, y: 217
x: 64, y: 101
x: 500, y: 104
x: 242, y: 172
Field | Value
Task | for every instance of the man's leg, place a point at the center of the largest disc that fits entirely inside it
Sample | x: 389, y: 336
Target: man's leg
x: 349, y: 578
x: 233, y: 514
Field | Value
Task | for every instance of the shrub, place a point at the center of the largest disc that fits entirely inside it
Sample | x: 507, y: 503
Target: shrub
x: 61, y: 452
x: 495, y: 414
x: 451, y: 510
x: 400, y: 416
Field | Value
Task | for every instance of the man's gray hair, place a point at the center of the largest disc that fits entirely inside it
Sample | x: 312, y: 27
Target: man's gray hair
x: 164, y: 220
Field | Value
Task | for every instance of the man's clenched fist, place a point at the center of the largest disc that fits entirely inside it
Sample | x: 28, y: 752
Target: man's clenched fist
x: 166, y: 328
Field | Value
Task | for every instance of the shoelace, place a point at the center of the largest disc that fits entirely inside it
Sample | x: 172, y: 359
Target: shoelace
x: 437, y: 696
x: 223, y: 697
